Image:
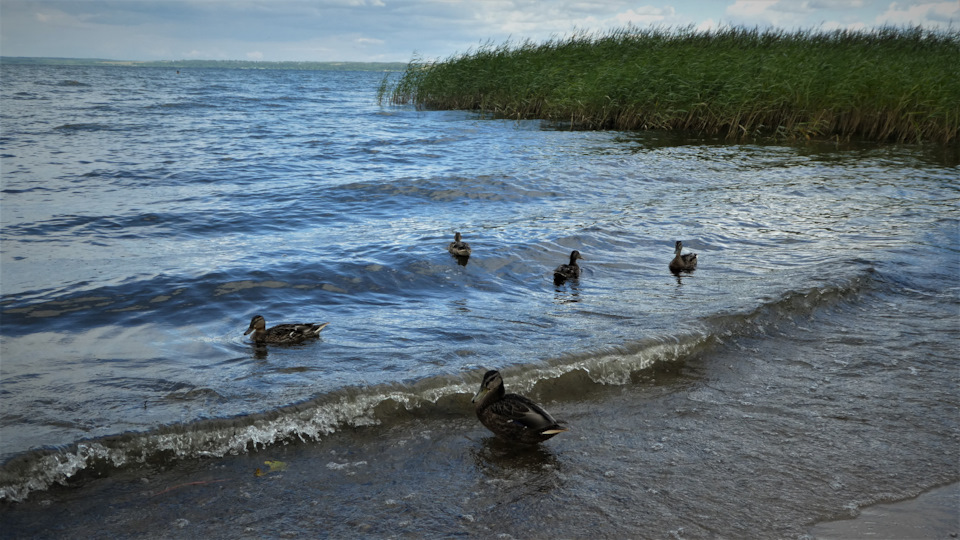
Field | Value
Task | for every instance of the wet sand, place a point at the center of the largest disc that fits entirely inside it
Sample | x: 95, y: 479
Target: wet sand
x: 645, y: 460
x: 933, y: 515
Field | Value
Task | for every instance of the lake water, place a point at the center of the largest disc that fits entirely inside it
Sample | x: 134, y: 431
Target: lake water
x: 808, y: 368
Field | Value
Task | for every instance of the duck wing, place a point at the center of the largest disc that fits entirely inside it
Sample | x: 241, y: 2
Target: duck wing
x: 523, y: 411
x: 567, y: 270
x: 296, y: 331
x: 459, y: 248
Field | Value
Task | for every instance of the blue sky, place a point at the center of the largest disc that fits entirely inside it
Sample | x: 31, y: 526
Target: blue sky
x: 393, y: 30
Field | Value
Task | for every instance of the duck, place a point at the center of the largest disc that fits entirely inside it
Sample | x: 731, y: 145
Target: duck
x: 282, y: 334
x: 682, y: 263
x: 512, y: 417
x: 459, y: 248
x: 568, y: 271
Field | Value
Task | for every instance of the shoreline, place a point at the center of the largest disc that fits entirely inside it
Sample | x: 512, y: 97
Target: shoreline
x: 934, y: 513
x: 434, y: 477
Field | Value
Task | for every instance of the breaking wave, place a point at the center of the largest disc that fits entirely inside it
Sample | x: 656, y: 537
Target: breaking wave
x: 328, y: 413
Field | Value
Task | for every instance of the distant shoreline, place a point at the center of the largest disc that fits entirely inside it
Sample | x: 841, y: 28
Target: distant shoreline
x: 189, y: 64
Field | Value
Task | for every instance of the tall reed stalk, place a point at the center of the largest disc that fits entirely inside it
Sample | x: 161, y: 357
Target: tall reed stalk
x: 890, y: 84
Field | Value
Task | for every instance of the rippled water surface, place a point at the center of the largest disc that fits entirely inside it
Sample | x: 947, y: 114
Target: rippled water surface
x: 147, y: 215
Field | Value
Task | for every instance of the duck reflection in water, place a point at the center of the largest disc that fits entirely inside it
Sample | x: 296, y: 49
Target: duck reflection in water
x: 497, y: 457
x: 260, y: 351
x: 460, y: 305
x: 566, y: 295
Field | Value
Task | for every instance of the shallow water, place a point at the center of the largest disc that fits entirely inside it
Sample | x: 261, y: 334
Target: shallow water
x: 931, y: 515
x: 806, y: 369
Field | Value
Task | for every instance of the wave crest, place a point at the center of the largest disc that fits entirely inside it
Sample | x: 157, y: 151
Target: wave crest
x: 367, y: 406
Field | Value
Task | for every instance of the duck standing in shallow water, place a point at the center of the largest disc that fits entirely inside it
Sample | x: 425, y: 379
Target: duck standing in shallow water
x: 512, y: 417
x: 282, y: 334
x: 568, y: 271
x: 682, y: 263
x: 459, y: 248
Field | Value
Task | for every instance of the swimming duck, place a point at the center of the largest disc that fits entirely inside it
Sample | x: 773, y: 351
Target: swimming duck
x: 682, y: 263
x: 568, y: 271
x: 510, y: 416
x: 282, y: 334
x: 458, y: 248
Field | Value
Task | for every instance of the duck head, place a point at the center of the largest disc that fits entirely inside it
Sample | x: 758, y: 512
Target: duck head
x: 574, y: 255
x: 492, y: 382
x: 678, y: 248
x: 257, y: 323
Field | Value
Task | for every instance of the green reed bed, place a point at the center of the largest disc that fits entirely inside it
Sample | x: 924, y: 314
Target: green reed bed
x: 889, y: 84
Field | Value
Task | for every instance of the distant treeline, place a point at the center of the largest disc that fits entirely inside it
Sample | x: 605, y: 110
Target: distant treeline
x: 222, y: 64
x: 889, y: 84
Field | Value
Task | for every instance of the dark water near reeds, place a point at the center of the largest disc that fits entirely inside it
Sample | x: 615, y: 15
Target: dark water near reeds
x: 808, y: 368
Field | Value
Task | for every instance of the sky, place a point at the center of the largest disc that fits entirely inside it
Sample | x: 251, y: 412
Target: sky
x: 398, y: 30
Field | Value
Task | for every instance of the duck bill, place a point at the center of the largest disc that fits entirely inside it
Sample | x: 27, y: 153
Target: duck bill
x: 248, y: 330
x: 478, y: 395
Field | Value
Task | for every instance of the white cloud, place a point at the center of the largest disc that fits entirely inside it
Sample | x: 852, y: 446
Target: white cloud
x: 57, y: 18
x: 750, y: 8
x: 778, y: 13
x: 644, y: 15
x: 835, y: 4
x: 837, y: 25
x: 805, y: 14
x: 706, y: 25
x: 351, y: 30
x: 926, y: 14
x: 255, y: 55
